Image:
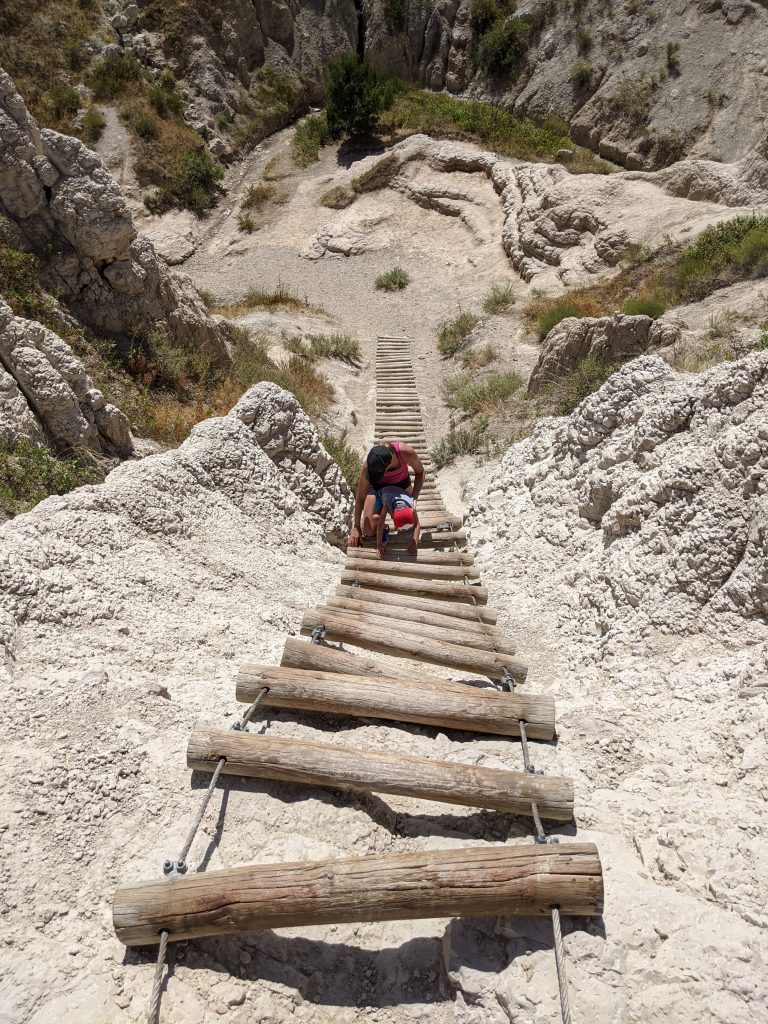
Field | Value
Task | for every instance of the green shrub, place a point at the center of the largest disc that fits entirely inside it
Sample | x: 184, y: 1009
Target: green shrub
x: 348, y: 460
x: 673, y: 59
x: 355, y: 97
x: 581, y: 74
x: 499, y: 299
x: 472, y: 395
x: 94, y: 124
x: 649, y: 306
x: 110, y: 76
x: 503, y: 49
x: 65, y: 101
x: 472, y: 441
x: 310, y: 136
x: 590, y: 374
x: 145, y: 126
x: 163, y: 98
x: 482, y: 15
x: 29, y: 473
x: 732, y: 250
x: 393, y: 281
x: 18, y: 275
x: 334, y: 346
x: 584, y: 40
x: 192, y: 184
x: 762, y: 344
x: 454, y: 334
x: 552, y: 316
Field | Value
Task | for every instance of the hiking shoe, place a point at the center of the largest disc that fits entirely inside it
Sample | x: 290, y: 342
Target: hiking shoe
x: 385, y: 535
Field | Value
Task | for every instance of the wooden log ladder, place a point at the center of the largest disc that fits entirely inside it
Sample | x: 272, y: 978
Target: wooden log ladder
x: 431, y: 608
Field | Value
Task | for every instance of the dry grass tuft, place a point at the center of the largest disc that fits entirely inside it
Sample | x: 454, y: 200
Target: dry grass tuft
x: 262, y: 299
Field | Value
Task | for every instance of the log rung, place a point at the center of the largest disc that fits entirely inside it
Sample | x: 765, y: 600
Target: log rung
x: 438, y: 703
x: 367, y: 632
x: 369, y: 771
x: 466, y: 881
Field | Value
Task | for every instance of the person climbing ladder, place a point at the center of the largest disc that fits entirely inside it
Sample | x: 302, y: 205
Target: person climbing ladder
x: 387, y: 465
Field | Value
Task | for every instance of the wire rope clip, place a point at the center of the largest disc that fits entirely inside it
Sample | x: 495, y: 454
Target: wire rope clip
x: 507, y: 682
x: 443, y: 527
x: 318, y: 634
x: 239, y: 726
x: 174, y: 868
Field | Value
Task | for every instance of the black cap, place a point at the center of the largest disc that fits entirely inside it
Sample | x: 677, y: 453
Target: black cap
x: 379, y: 458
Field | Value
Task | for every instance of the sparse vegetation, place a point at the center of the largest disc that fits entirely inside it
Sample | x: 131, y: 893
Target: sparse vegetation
x: 502, y: 39
x: 280, y: 297
x: 310, y: 136
x: 484, y: 395
x: 338, y: 197
x: 19, y: 284
x: 733, y: 250
x: 191, y: 181
x: 165, y: 391
x: 111, y: 76
x: 325, y: 346
x: 553, y: 313
x: 443, y: 116
x: 94, y: 124
x: 474, y: 440
x: 347, y: 459
x: 477, y: 358
x: 673, y: 59
x: 393, y: 281
x: 455, y: 334
x: 581, y: 74
x: 43, y: 50
x: 499, y: 299
x: 590, y: 374
x: 30, y: 472
x: 652, y: 307
x: 245, y: 221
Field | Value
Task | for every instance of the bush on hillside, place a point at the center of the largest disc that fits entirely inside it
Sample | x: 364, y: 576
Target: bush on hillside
x: 355, y: 97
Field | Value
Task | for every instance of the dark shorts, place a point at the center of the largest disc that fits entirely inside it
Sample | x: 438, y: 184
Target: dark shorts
x: 378, y: 505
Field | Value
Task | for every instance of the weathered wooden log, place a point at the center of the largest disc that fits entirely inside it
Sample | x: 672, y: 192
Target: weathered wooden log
x: 429, y: 539
x: 439, y: 703
x: 453, y: 634
x: 458, y: 626
x: 476, y: 613
x: 307, y: 763
x: 370, y: 636
x: 425, y: 557
x: 415, y: 570
x: 429, y: 588
x: 489, y: 881
x: 300, y: 654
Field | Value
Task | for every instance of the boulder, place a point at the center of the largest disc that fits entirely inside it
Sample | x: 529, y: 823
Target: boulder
x: 612, y: 339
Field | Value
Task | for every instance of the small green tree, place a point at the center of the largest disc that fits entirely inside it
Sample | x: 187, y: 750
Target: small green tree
x: 355, y: 97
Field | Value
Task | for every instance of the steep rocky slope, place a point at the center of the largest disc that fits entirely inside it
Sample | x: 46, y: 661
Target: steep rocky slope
x: 628, y: 545
x: 123, y: 609
x: 641, y: 83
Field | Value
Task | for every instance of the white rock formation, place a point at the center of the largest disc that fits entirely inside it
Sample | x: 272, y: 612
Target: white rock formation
x: 628, y: 547
x: 608, y: 338
x: 46, y: 394
x: 58, y: 198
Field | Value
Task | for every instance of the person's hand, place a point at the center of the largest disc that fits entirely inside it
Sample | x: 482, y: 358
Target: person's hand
x: 413, y: 548
x: 381, y: 550
x: 354, y: 538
